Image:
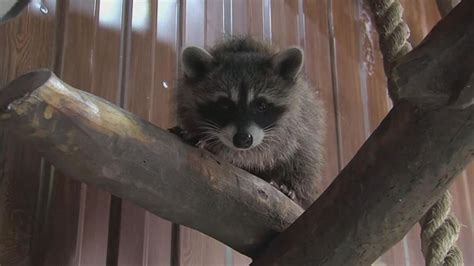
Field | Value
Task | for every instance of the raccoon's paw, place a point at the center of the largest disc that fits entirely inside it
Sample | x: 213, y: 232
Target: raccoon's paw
x: 184, y: 135
x: 178, y: 131
x: 284, y: 189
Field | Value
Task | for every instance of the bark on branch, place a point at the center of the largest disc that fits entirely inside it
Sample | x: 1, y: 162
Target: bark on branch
x: 439, y: 71
x: 99, y: 143
x: 404, y: 167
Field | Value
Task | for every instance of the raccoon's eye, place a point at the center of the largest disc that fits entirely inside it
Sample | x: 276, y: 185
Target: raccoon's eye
x: 261, y: 105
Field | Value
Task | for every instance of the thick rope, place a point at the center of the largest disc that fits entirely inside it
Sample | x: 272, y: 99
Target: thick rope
x: 439, y: 228
x: 393, y: 36
x: 393, y: 31
x: 439, y: 233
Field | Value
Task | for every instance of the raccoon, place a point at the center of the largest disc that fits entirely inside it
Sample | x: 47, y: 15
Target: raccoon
x: 250, y: 105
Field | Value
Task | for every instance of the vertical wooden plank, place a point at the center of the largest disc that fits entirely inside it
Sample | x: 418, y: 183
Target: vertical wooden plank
x: 146, y: 239
x: 284, y: 23
x: 420, y: 16
x: 158, y: 243
x: 92, y: 62
x: 27, y: 42
x: 372, y: 72
x: 64, y: 222
x: 346, y: 82
x: 214, y: 21
x: 203, y: 25
x: 240, y: 17
x: 194, y: 29
x: 247, y: 17
x: 167, y: 50
x: 318, y: 70
x: 138, y: 83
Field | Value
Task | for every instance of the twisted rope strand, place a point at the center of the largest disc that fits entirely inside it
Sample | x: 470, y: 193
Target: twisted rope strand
x: 439, y: 233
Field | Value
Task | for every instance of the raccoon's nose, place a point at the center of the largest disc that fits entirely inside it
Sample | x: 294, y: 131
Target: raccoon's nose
x: 242, y: 140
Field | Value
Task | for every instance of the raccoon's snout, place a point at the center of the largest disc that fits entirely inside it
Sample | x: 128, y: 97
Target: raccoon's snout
x: 242, y: 140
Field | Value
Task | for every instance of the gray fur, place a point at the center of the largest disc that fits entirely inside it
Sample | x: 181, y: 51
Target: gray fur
x: 291, y: 153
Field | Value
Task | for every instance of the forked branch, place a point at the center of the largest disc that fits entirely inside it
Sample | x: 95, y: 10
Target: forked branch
x: 404, y: 167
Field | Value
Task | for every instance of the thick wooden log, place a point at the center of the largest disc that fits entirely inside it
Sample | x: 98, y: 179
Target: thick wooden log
x: 98, y: 143
x: 439, y: 70
x: 404, y: 167
x: 445, y: 6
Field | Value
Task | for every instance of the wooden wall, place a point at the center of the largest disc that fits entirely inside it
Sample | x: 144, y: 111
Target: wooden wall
x: 127, y: 52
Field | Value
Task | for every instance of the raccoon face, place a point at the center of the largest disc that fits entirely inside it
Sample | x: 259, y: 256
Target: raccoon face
x: 239, y: 98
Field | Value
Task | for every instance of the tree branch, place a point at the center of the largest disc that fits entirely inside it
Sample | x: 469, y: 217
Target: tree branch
x: 439, y: 71
x: 99, y: 143
x: 404, y: 167
x: 445, y: 6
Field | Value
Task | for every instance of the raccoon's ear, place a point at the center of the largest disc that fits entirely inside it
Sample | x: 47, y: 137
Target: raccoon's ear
x: 196, y: 61
x: 288, y: 63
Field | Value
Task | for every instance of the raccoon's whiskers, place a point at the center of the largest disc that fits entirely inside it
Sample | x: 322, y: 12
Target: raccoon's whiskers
x: 209, y: 123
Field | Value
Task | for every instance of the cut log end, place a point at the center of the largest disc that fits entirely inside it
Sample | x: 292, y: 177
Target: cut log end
x: 22, y: 86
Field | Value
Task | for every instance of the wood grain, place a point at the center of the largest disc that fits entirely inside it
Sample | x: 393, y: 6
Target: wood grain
x: 20, y: 231
x: 284, y: 23
x: 346, y: 83
x: 318, y: 69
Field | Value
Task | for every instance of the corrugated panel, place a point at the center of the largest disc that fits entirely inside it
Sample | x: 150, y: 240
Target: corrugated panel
x: 347, y: 88
x: 318, y: 68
